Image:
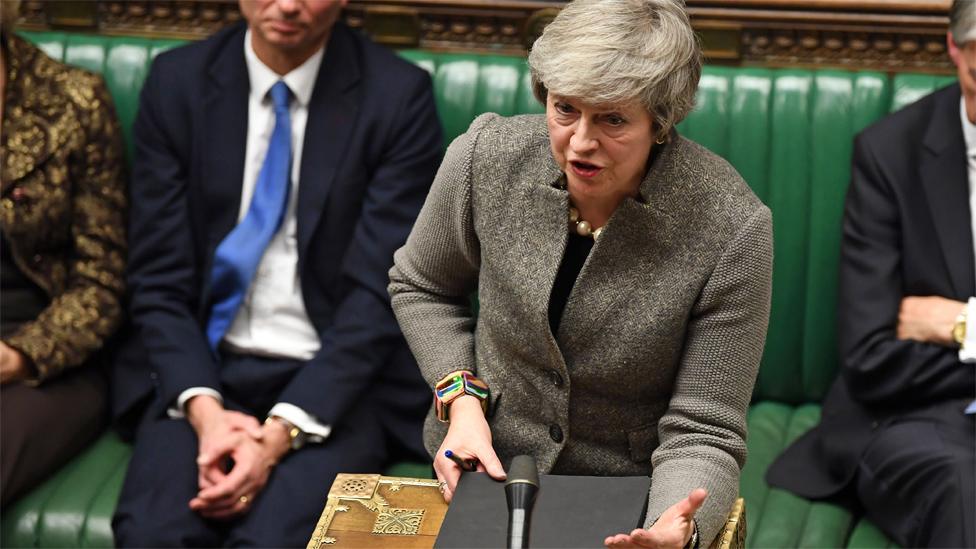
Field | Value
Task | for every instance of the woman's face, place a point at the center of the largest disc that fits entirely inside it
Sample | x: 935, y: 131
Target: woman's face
x: 602, y: 149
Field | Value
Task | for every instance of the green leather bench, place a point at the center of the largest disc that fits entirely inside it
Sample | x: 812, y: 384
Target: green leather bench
x: 788, y: 132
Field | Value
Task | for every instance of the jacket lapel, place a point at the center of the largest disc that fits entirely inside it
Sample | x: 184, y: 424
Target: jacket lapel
x: 539, y: 233
x: 331, y: 118
x: 943, y: 172
x: 225, y: 139
x: 619, y: 258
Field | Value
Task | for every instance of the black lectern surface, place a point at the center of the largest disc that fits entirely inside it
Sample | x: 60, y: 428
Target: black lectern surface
x: 570, y: 511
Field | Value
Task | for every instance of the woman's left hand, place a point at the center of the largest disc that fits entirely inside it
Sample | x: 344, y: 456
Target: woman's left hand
x: 672, y: 530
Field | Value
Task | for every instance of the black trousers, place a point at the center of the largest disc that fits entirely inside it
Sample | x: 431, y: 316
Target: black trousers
x: 916, y: 480
x: 44, y: 427
x: 154, y: 510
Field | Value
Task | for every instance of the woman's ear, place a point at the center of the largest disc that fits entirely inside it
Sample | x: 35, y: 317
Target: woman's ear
x: 660, y: 137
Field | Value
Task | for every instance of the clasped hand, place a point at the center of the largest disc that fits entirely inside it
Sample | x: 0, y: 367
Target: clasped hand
x: 236, y: 456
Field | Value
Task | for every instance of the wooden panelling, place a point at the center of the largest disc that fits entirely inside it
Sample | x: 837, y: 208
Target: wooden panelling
x: 888, y: 35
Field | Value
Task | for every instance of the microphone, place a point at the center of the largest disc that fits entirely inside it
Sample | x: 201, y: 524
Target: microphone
x: 520, y: 492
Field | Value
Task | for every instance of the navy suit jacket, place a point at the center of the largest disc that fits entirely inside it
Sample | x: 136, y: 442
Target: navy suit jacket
x: 372, y: 145
x: 906, y: 232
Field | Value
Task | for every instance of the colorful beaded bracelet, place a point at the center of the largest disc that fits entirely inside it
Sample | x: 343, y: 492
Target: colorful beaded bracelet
x: 454, y: 385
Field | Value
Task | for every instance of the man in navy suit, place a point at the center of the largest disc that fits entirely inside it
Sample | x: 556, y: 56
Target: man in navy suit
x: 278, y: 166
x: 896, y: 437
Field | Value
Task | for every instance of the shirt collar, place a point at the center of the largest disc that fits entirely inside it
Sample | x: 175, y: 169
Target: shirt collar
x: 968, y: 129
x: 301, y: 80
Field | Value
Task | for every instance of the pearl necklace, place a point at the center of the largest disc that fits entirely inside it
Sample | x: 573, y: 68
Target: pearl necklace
x: 582, y: 228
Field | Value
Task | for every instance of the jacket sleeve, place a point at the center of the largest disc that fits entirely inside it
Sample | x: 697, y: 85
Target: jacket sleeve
x: 364, y: 333
x: 879, y: 367
x: 437, y: 270
x: 78, y: 321
x: 163, y: 277
x: 703, y: 433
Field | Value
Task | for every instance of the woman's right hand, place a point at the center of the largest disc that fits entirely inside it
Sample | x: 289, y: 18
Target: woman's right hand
x: 468, y: 437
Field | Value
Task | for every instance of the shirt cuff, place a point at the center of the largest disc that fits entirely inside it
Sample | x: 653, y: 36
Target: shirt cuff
x: 178, y: 410
x: 309, y: 424
x: 967, y: 352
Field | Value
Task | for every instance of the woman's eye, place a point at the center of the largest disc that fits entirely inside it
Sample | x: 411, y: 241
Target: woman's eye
x: 564, y: 108
x: 614, y: 120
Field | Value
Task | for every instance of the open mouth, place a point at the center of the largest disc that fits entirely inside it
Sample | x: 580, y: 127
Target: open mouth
x: 585, y: 169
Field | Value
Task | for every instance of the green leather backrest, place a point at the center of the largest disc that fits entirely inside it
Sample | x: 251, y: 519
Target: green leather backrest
x: 788, y: 132
x: 467, y: 85
x: 123, y: 61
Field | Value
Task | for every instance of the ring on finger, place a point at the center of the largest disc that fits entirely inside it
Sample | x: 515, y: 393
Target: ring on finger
x: 442, y: 485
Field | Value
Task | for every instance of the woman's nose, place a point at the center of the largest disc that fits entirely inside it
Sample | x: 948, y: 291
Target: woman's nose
x: 584, y: 138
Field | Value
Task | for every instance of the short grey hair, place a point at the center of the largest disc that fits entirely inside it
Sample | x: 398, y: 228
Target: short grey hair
x: 616, y: 51
x: 962, y: 21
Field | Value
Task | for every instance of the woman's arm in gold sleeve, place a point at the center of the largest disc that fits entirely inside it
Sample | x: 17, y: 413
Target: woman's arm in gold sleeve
x: 78, y: 321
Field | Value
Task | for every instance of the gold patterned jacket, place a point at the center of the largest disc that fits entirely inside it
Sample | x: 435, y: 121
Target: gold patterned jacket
x: 62, y: 204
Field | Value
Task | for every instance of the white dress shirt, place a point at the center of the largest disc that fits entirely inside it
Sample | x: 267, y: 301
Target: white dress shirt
x: 272, y: 320
x: 967, y: 353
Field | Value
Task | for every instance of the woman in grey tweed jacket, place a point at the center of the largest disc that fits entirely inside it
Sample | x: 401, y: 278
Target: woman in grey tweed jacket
x: 625, y: 344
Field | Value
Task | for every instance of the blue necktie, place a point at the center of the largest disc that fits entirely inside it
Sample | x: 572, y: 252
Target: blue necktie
x: 238, y: 255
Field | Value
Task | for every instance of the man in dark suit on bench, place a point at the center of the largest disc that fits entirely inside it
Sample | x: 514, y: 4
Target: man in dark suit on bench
x: 278, y: 166
x: 897, y: 431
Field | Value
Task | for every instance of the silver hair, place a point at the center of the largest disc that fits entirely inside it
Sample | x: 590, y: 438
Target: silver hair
x: 616, y: 51
x: 962, y: 21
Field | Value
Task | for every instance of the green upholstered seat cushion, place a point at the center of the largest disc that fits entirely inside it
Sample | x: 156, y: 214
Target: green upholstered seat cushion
x: 775, y: 517
x: 867, y: 536
x: 74, y: 507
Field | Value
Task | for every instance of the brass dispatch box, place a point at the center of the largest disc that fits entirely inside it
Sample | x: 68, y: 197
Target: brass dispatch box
x: 401, y: 512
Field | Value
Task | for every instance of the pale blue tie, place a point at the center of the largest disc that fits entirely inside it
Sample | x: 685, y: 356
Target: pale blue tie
x: 238, y: 255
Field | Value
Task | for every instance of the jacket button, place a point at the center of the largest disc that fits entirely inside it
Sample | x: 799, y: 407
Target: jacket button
x: 37, y: 258
x: 555, y: 378
x: 556, y: 433
x: 874, y: 425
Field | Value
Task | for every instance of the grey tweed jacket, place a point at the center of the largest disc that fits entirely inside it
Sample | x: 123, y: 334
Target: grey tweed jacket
x: 656, y: 356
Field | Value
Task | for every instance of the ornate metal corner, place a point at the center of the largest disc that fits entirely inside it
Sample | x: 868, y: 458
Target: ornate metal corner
x: 398, y: 522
